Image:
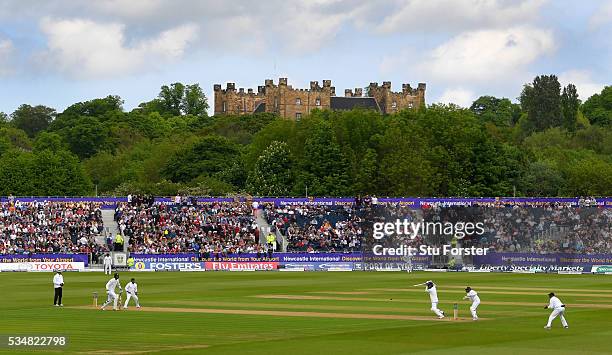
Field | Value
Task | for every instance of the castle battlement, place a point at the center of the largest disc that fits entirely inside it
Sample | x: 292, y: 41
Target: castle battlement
x: 290, y: 102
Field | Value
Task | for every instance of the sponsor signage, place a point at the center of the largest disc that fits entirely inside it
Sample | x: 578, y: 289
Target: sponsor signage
x: 601, y: 269
x: 111, y: 202
x: 161, y: 258
x: 241, y: 266
x: 50, y: 266
x: 322, y: 266
x: 22, y: 258
x: 527, y: 268
x: 168, y: 266
x: 544, y: 262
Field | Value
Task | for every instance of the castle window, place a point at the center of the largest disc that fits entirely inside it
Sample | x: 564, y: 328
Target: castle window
x: 394, y: 104
x: 298, y: 101
x: 224, y: 106
x: 317, y: 102
x: 410, y: 105
x: 298, y: 116
x: 276, y: 102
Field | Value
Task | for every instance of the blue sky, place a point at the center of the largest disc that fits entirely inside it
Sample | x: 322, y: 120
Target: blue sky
x: 57, y: 53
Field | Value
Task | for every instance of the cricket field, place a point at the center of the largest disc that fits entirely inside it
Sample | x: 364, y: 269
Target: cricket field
x: 311, y: 313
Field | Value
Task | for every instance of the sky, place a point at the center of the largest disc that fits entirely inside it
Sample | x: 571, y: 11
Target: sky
x: 58, y: 52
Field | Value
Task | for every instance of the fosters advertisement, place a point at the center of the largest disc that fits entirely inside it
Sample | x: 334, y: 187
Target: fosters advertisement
x: 167, y: 262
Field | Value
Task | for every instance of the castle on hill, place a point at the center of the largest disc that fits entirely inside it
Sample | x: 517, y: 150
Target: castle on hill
x: 291, y: 103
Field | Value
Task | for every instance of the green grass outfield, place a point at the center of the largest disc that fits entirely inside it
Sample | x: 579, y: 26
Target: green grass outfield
x: 312, y: 313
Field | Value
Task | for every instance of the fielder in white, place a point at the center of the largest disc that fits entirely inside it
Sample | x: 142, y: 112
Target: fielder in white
x: 558, y: 310
x: 131, y: 289
x: 473, y: 296
x: 111, y: 285
x: 107, y: 264
x: 430, y: 288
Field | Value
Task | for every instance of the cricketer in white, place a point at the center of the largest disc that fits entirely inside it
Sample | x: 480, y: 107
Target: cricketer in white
x: 433, y: 296
x: 131, y: 289
x: 558, y: 310
x: 108, y: 264
x: 473, y: 296
x: 110, y: 290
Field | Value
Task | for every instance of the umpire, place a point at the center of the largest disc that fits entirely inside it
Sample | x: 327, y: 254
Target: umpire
x: 58, y: 284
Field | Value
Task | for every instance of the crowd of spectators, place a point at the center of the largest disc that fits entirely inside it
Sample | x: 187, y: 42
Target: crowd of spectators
x: 50, y: 227
x: 209, y: 229
x: 220, y: 228
x: 534, y: 228
x: 311, y: 228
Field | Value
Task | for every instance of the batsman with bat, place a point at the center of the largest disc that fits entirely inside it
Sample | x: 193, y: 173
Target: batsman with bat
x: 430, y: 288
x: 111, y: 285
x: 472, y: 296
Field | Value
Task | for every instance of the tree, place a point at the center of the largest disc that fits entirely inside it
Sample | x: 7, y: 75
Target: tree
x: 95, y: 107
x: 105, y: 171
x: 542, y: 102
x: 194, y: 101
x: 569, y: 107
x: 598, y: 108
x: 210, y: 156
x: 500, y: 112
x: 3, y: 119
x: 49, y: 141
x: 58, y: 173
x: 42, y: 174
x: 324, y: 167
x: 87, y: 137
x: 16, y: 138
x: 32, y: 119
x: 178, y: 99
x: 171, y: 98
x: 367, y: 174
x: 16, y: 174
x: 541, y: 178
x: 272, y: 175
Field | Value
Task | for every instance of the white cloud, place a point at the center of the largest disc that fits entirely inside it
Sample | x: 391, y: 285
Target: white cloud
x: 85, y: 49
x: 240, y: 34
x: 128, y: 8
x: 458, y: 96
x: 452, y: 15
x: 302, y: 36
x: 583, y: 79
x: 601, y: 16
x: 488, y: 54
x: 6, y: 52
x: 297, y: 26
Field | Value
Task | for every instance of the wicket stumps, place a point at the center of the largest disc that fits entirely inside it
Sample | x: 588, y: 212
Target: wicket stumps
x: 95, y: 299
x: 455, y: 311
